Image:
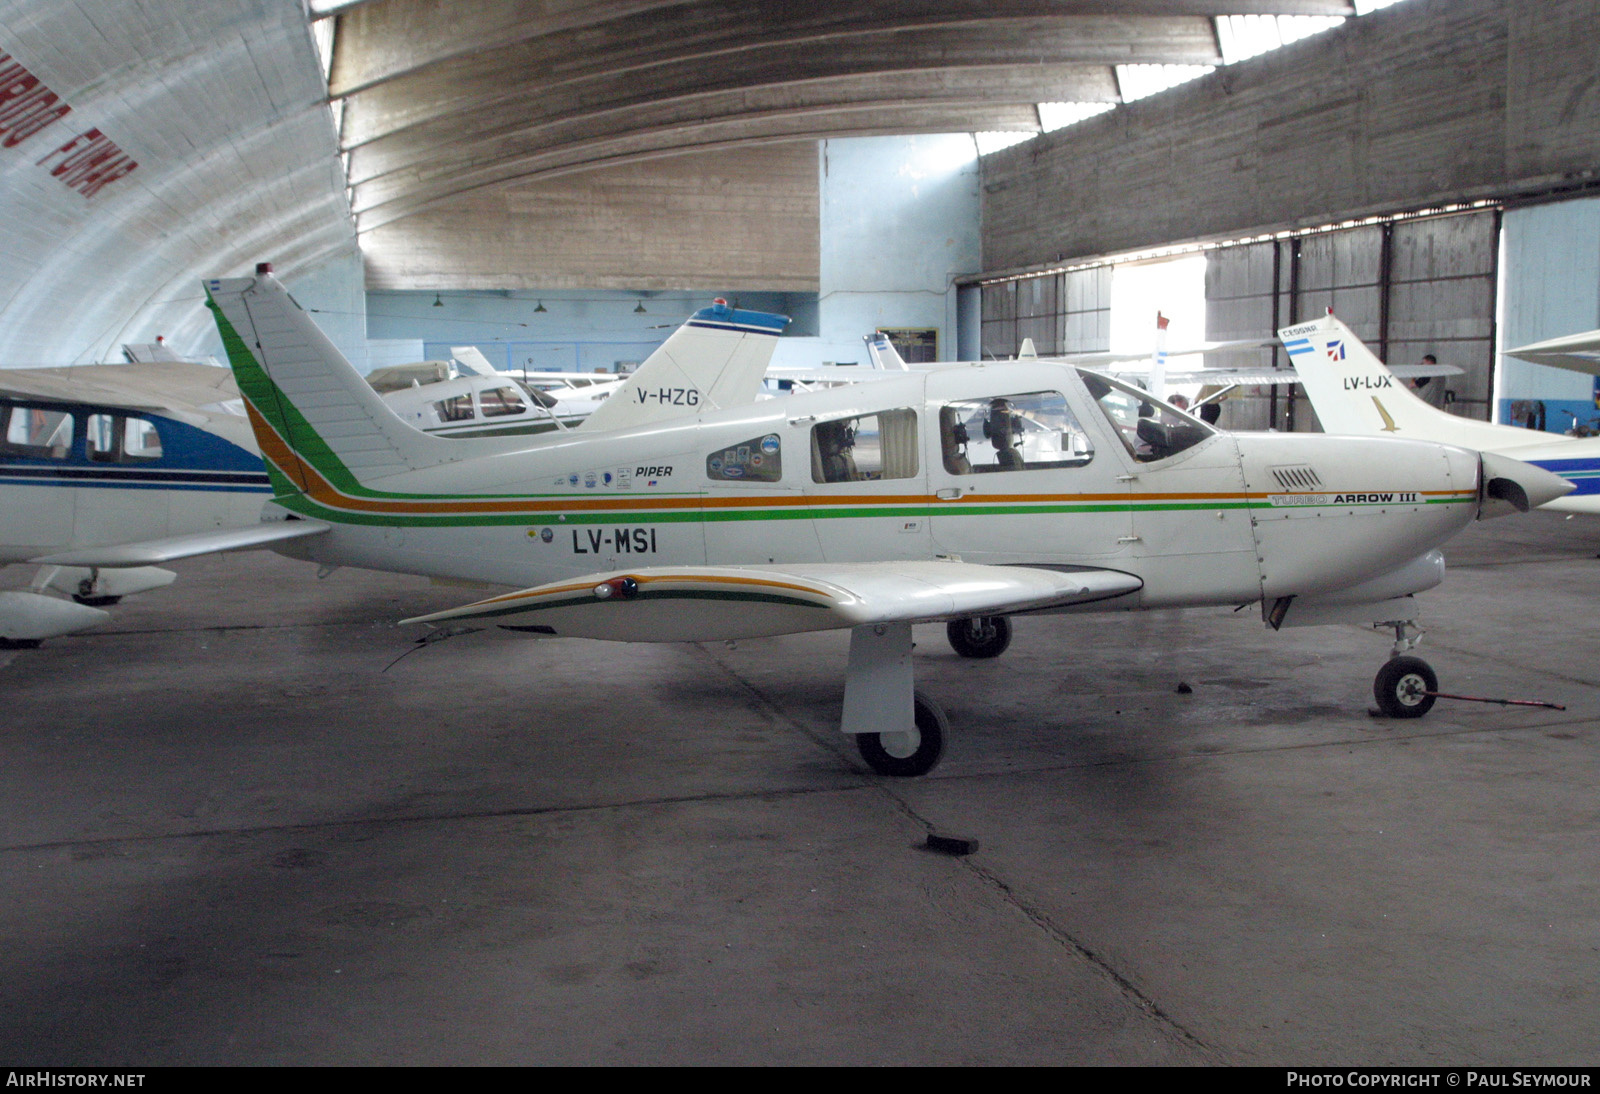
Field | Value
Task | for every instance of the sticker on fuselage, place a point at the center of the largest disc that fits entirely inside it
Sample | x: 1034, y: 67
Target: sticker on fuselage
x: 1395, y: 497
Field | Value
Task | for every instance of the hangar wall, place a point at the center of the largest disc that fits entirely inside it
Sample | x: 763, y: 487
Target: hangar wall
x: 898, y: 226
x: 1426, y: 101
x: 1552, y: 288
x: 743, y: 218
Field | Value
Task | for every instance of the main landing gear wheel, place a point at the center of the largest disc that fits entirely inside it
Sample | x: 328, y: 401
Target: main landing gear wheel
x: 1400, y: 687
x: 979, y: 635
x: 904, y: 755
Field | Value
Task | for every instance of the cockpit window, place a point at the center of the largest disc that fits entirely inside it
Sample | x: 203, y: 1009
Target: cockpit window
x: 500, y: 401
x: 1027, y: 432
x: 1150, y: 429
x: 865, y: 448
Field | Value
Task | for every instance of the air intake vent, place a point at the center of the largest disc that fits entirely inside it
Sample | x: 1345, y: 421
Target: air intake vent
x: 1299, y: 477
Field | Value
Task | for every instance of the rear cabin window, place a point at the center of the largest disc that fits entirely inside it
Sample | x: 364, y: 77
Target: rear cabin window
x: 865, y: 448
x: 1028, y: 432
x: 37, y: 432
x: 759, y: 459
x: 457, y: 408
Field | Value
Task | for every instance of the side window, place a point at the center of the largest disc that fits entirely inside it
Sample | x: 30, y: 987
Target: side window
x: 865, y: 449
x: 118, y: 438
x: 38, y: 432
x: 1029, y: 432
x: 457, y: 408
x: 100, y: 438
x: 759, y: 459
x: 501, y: 401
x: 140, y: 441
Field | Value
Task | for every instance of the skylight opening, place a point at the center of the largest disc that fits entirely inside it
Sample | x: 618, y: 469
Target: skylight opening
x: 992, y: 140
x: 1245, y: 36
x: 1141, y: 81
x: 1053, y: 116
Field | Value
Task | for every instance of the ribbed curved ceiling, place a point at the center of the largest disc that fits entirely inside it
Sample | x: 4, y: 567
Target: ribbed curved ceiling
x: 223, y: 106
x: 442, y: 99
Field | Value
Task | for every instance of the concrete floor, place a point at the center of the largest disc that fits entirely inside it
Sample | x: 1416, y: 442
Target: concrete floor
x: 228, y: 835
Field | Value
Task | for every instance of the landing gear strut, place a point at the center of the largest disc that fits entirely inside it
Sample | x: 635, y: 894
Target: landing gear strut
x: 979, y: 635
x: 898, y: 731
x: 1404, y: 685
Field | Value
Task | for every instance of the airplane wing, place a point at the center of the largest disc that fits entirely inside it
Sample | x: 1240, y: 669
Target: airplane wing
x: 1252, y: 377
x: 716, y: 603
x: 159, y: 387
x: 151, y: 551
x: 1575, y: 352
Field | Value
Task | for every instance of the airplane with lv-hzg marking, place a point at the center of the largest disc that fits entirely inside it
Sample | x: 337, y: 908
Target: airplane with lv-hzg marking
x: 868, y: 507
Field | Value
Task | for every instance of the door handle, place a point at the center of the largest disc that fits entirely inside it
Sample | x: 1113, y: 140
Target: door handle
x: 947, y: 493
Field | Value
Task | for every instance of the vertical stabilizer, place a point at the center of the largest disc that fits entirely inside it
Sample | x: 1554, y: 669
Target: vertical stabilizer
x: 882, y: 354
x: 1351, y: 390
x: 715, y: 360
x: 470, y: 360
x: 315, y: 417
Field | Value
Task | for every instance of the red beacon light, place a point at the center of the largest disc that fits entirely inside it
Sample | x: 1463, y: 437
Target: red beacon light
x: 263, y: 269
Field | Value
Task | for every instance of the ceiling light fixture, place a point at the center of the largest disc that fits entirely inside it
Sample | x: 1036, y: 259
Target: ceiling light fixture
x: 437, y: 302
x: 639, y: 310
x: 541, y: 307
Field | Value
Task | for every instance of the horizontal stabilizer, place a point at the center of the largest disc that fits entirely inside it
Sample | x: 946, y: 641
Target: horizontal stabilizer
x: 715, y: 603
x: 152, y: 551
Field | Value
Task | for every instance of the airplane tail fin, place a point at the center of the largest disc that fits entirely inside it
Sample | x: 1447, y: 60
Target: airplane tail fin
x: 882, y: 353
x: 1351, y: 390
x: 470, y: 360
x: 717, y: 359
x: 318, y: 422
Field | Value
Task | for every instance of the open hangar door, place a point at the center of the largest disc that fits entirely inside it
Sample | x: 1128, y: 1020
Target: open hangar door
x: 1407, y: 287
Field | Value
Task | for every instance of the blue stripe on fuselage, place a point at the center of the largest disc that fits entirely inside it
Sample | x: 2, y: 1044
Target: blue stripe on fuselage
x: 1584, y: 473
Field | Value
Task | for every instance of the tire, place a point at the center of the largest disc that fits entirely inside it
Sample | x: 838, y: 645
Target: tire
x: 979, y: 636
x: 1400, y: 684
x: 904, y: 759
x: 96, y: 601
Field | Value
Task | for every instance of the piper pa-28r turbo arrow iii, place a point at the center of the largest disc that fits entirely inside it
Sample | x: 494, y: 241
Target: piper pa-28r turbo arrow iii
x: 869, y: 507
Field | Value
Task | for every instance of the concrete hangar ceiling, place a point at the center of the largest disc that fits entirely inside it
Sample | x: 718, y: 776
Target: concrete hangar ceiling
x: 650, y: 144
x: 145, y: 144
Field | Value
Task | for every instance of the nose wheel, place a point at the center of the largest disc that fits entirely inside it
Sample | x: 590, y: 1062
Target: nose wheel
x: 1403, y: 686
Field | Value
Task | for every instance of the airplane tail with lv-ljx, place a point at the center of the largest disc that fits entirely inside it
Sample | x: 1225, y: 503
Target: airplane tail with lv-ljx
x: 1355, y: 393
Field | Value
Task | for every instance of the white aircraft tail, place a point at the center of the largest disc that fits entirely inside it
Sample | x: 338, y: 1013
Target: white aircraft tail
x: 1353, y: 392
x: 717, y: 359
x: 470, y: 360
x: 882, y: 354
x: 317, y: 420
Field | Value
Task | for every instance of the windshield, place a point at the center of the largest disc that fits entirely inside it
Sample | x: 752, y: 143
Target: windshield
x: 1150, y: 429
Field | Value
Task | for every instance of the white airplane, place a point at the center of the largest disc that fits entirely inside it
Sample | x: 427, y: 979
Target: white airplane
x: 156, y: 462
x: 107, y: 454
x: 1575, y: 352
x: 856, y: 508
x: 1353, y: 393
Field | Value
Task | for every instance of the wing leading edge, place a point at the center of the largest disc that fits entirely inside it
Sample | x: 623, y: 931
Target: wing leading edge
x: 715, y: 603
